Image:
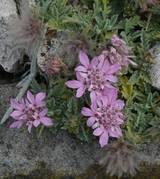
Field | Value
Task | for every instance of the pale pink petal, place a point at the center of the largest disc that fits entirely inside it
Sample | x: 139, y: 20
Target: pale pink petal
x: 36, y: 123
x: 43, y: 113
x: 101, y: 59
x: 98, y: 131
x: 81, y: 69
x: 111, y: 94
x: 46, y: 121
x: 83, y: 58
x: 80, y: 91
x: 87, y: 112
x: 120, y: 120
x: 16, y: 124
x: 115, y: 132
x: 103, y: 140
x: 40, y: 97
x: 94, y: 62
x: 91, y: 121
x: 74, y: 84
x: 111, y: 78
x: 113, y: 69
x: 119, y: 104
x: 79, y: 77
x: 30, y: 97
x: 93, y: 96
x: 83, y: 75
x: 106, y: 65
x: 16, y: 105
x: 95, y: 125
x: 16, y: 114
x: 104, y: 100
x: 94, y: 106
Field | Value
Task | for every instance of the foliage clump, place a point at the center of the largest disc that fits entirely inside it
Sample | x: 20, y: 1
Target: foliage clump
x: 123, y: 33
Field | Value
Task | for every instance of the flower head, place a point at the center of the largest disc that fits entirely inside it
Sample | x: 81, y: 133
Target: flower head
x: 30, y: 110
x: 118, y: 52
x: 95, y: 76
x: 105, y: 117
x: 52, y: 66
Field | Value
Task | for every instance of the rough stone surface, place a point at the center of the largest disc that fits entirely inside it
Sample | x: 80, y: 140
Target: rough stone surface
x: 10, y: 56
x: 20, y: 152
x: 155, y: 70
x: 7, y: 61
x: 56, y: 46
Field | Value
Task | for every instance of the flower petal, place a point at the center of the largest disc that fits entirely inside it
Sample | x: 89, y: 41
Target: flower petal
x: 79, y: 77
x: 111, y: 94
x: 87, y: 112
x: 91, y: 121
x: 83, y: 58
x: 40, y: 97
x: 115, y: 132
x: 101, y: 62
x: 46, y: 121
x: 119, y: 104
x: 98, y: 131
x: 16, y: 124
x: 94, y: 62
x: 81, y: 69
x: 80, y: 91
x: 30, y: 97
x: 113, y: 69
x: 74, y: 84
x: 36, y: 123
x: 103, y: 140
x: 43, y: 112
x: 16, y: 105
x: 16, y: 114
x: 93, y: 96
x: 111, y: 78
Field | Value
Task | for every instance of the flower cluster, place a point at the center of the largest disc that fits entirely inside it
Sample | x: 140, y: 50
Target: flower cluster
x: 30, y: 110
x: 118, y: 52
x: 105, y: 116
x: 95, y: 76
x: 98, y: 77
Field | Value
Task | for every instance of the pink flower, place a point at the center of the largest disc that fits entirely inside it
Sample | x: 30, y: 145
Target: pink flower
x: 31, y: 111
x: 120, y: 45
x: 105, y: 117
x: 95, y: 76
x: 152, y: 2
x: 118, y: 53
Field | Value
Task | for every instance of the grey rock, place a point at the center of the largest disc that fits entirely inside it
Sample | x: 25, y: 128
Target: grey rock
x: 8, y: 60
x: 57, y: 46
x: 155, y: 70
x: 11, y: 55
x: 21, y: 153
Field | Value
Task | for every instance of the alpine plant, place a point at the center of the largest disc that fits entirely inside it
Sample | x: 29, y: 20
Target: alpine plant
x: 95, y: 76
x: 105, y: 117
x: 98, y: 77
x: 31, y: 111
